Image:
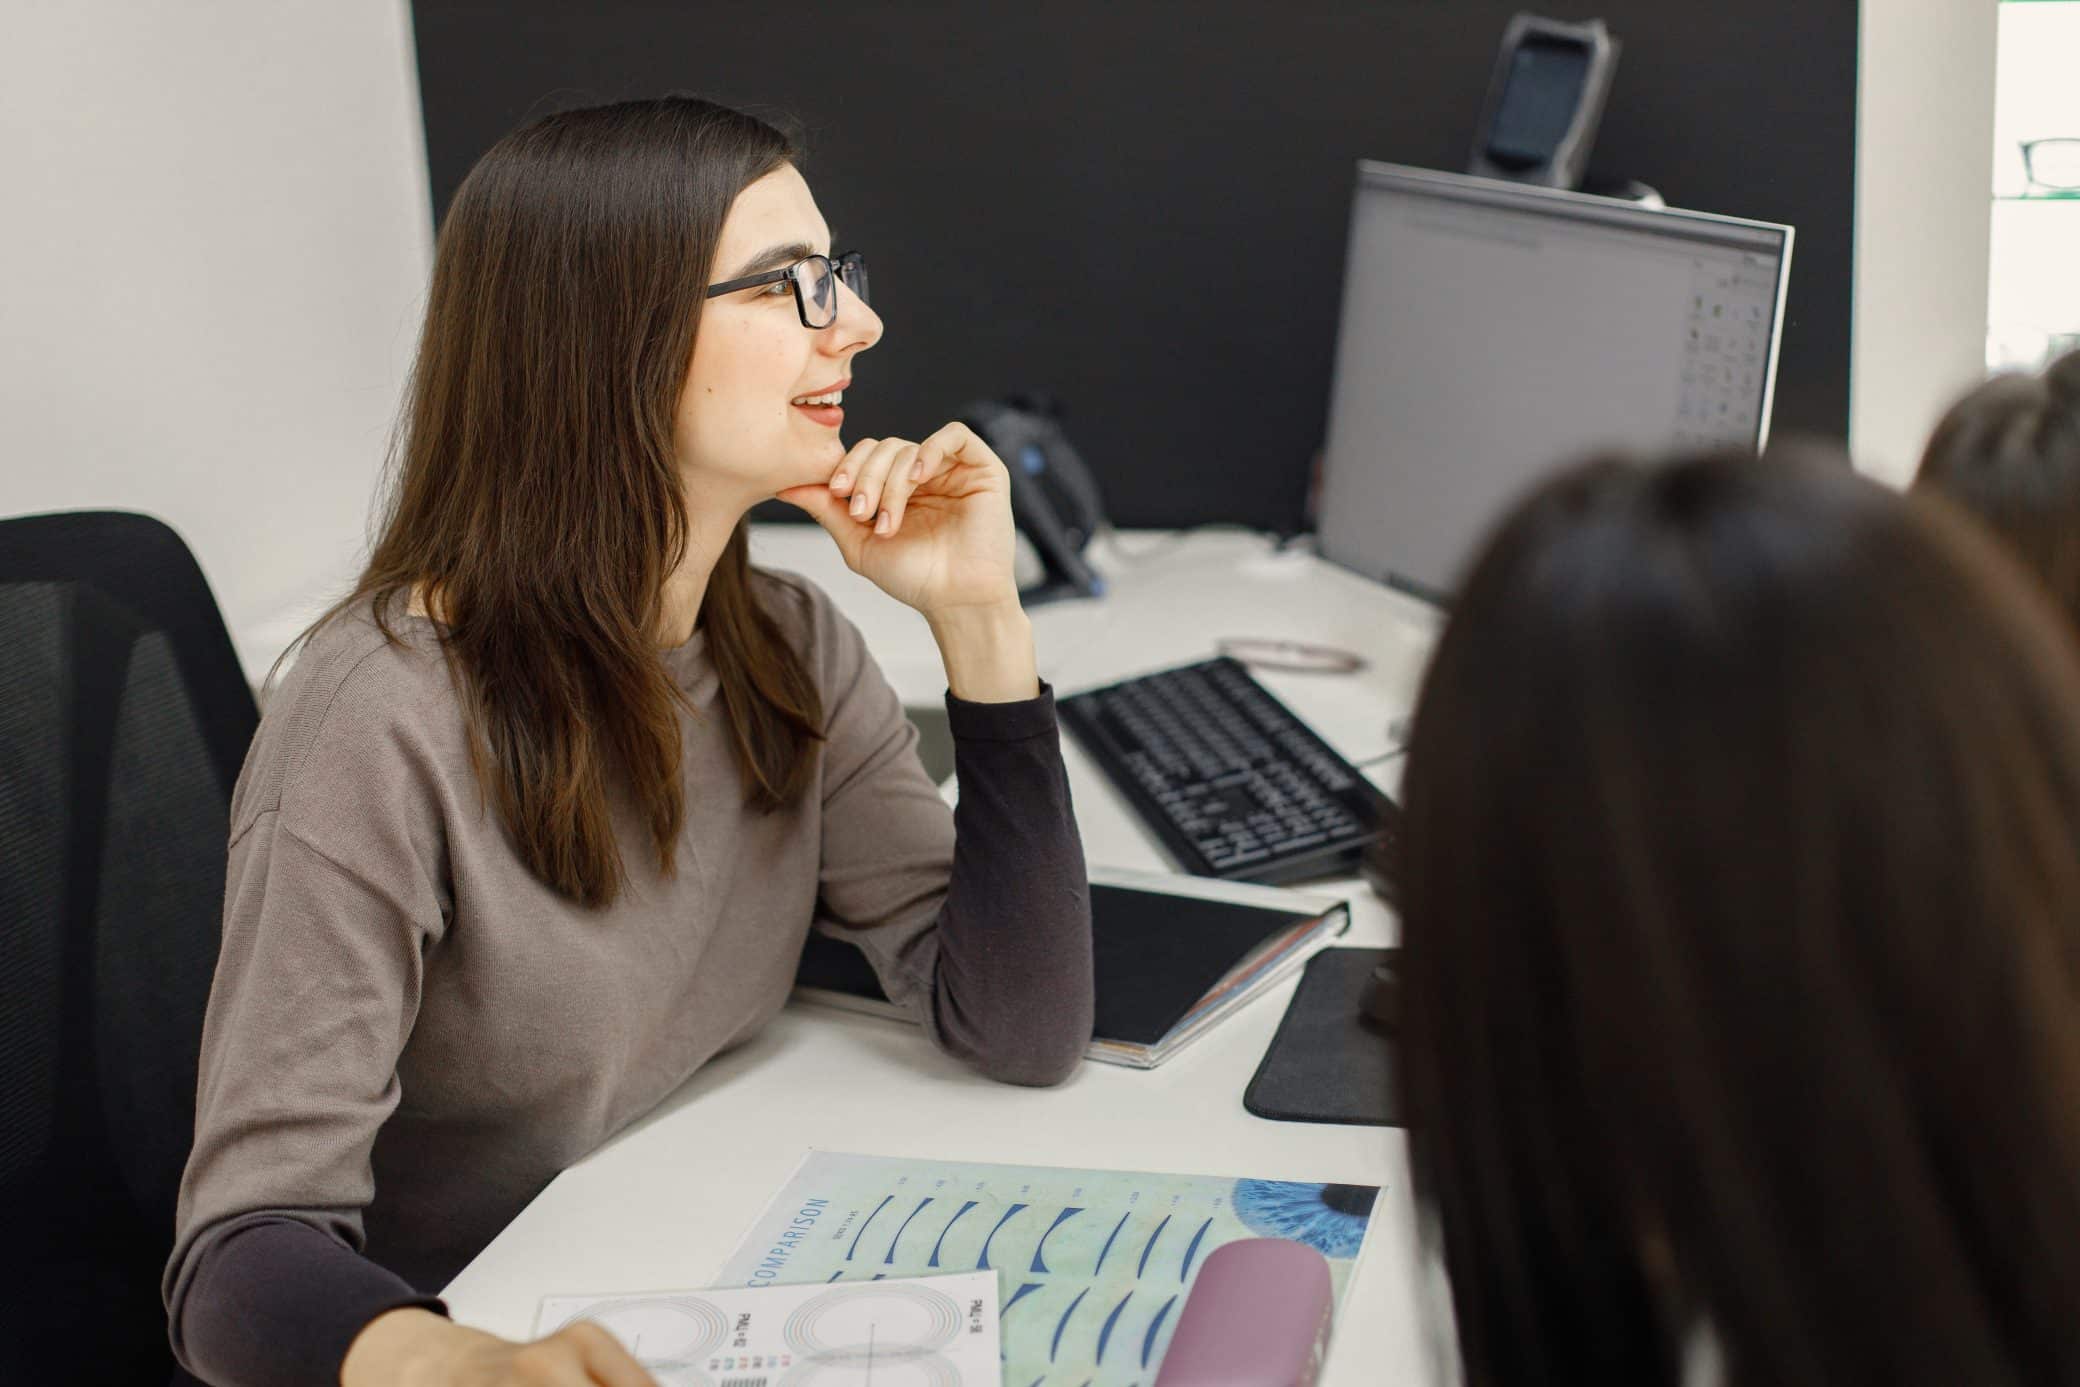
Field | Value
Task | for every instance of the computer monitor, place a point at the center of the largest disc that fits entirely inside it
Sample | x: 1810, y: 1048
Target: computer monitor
x: 1493, y: 331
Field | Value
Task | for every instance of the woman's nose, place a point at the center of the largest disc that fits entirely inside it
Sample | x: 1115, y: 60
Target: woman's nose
x: 857, y: 326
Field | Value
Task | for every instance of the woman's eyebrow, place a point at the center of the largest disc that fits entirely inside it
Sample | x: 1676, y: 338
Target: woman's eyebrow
x: 772, y: 258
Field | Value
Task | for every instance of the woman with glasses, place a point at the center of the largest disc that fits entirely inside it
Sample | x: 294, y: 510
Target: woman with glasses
x: 539, y: 820
x: 1740, y: 903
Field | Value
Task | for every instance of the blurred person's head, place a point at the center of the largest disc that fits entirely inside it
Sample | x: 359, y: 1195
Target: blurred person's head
x: 1740, y: 897
x: 2009, y: 452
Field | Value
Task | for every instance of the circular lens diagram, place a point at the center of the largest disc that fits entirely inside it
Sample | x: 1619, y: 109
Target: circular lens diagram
x: 891, y: 1321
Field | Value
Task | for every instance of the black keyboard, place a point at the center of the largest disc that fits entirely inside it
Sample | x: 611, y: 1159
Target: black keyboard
x: 1232, y: 782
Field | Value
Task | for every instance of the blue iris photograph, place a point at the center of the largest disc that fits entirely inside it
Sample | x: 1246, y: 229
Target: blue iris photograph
x: 1330, y: 1219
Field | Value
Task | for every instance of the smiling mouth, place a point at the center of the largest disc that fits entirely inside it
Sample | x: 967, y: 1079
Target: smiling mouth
x: 825, y: 410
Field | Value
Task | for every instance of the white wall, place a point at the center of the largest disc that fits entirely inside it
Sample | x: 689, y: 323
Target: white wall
x: 2033, y: 289
x: 1924, y: 173
x: 215, y: 252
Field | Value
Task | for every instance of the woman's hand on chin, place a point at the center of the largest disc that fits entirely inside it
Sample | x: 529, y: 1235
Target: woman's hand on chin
x: 928, y: 523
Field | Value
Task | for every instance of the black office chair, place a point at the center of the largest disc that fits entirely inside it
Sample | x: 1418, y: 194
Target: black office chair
x: 124, y: 719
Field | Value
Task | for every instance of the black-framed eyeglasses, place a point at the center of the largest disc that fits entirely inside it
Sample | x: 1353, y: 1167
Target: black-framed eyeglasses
x: 815, y: 282
x: 2052, y: 164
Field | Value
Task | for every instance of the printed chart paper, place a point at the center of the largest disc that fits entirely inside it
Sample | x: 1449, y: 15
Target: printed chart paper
x: 1092, y: 1266
x: 936, y: 1332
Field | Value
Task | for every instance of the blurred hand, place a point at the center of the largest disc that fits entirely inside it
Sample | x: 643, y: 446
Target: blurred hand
x: 417, y: 1348
x: 928, y: 523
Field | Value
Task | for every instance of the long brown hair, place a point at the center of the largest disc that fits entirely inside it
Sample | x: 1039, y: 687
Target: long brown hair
x: 1740, y: 894
x: 2009, y: 453
x: 535, y: 489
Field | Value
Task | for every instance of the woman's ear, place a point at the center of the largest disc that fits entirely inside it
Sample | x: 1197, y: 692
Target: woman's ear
x: 1673, y: 1307
x: 1656, y: 1259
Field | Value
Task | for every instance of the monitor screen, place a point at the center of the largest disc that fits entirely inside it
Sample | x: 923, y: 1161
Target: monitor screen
x: 1492, y: 332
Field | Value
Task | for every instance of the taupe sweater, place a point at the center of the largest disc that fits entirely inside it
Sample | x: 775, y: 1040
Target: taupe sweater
x: 409, y: 1035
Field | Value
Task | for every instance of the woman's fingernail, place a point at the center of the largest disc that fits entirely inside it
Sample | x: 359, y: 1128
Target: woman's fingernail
x: 882, y: 523
x: 840, y: 482
x: 859, y: 506
x: 917, y: 469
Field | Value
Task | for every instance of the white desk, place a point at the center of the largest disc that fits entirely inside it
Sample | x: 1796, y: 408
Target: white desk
x: 664, y: 1203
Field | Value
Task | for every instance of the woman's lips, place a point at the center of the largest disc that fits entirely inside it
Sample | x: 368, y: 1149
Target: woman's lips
x: 824, y: 405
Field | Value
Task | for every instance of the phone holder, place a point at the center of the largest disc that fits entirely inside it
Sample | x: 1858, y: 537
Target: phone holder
x: 1054, y: 499
x: 1545, y: 101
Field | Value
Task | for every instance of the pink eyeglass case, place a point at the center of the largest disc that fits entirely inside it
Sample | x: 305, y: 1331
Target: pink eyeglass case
x: 1258, y: 1316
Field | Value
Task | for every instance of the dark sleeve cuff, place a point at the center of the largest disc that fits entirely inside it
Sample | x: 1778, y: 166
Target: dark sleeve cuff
x: 1002, y: 722
x: 279, y: 1301
x: 1012, y: 991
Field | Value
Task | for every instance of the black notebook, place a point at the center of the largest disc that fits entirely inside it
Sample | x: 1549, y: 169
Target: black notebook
x: 1172, y: 956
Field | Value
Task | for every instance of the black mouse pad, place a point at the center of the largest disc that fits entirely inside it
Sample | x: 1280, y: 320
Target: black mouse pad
x: 1327, y: 1064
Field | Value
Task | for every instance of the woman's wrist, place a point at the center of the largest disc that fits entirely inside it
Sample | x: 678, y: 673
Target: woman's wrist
x: 399, y: 1347
x: 987, y: 651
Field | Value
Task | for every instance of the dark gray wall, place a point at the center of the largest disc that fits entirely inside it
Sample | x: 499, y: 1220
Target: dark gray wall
x: 1140, y: 206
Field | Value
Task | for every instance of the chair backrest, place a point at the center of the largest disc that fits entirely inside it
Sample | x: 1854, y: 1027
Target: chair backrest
x: 124, y: 719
